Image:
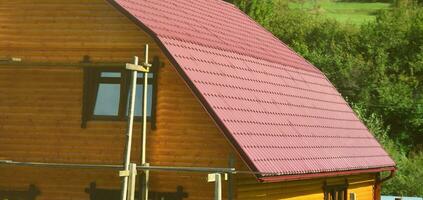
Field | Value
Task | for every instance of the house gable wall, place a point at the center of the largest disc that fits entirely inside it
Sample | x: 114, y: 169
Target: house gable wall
x: 40, y: 104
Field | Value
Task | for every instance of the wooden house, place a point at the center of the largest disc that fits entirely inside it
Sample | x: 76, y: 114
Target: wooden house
x: 224, y: 92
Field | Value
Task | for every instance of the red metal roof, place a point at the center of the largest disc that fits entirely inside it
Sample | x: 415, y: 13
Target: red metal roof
x: 280, y: 112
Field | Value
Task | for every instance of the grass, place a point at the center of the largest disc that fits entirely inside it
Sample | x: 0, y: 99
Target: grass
x: 346, y: 12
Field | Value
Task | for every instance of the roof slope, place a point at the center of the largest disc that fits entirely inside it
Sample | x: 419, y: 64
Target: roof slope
x: 281, y: 112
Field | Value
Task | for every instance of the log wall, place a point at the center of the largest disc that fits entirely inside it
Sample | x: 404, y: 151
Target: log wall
x: 40, y: 106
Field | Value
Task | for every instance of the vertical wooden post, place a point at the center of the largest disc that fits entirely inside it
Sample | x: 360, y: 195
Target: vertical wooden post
x: 127, y: 156
x: 132, y: 181
x: 144, y: 183
x: 126, y: 173
x: 377, y: 188
x: 144, y: 128
x: 217, y: 186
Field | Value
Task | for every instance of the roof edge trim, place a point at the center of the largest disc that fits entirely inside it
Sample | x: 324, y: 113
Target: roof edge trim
x: 295, y: 177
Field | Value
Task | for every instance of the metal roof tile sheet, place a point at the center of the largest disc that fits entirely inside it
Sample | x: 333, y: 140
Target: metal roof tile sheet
x: 279, y: 110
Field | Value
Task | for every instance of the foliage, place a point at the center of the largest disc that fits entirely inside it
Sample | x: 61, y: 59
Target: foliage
x: 260, y: 10
x: 326, y: 45
x: 342, y: 11
x: 394, y: 47
x: 408, y: 178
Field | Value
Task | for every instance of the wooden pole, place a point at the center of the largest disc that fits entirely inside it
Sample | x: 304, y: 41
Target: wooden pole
x: 144, y: 128
x: 218, y: 186
x: 132, y: 181
x: 127, y: 156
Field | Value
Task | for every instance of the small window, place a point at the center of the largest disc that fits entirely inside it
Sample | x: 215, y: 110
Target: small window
x: 106, y: 94
x: 335, y: 192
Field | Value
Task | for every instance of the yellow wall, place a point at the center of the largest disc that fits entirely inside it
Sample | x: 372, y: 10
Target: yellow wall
x: 248, y: 188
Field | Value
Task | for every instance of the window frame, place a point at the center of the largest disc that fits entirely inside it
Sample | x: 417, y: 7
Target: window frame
x: 108, y: 80
x: 92, y: 81
x: 330, y: 189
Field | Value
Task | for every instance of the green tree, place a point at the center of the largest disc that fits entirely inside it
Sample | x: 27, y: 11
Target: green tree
x: 408, y: 178
x: 394, y: 45
x: 260, y: 10
x: 328, y: 44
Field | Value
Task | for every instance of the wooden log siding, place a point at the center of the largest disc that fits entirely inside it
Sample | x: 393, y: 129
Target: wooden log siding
x: 40, y: 109
x: 40, y: 121
x: 57, y: 31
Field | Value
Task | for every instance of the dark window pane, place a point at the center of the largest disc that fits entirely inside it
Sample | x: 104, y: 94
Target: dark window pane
x: 107, y: 102
x: 138, y: 100
x: 110, y: 74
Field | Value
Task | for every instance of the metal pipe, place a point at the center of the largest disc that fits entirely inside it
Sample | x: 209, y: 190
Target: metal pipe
x: 61, y: 165
x: 142, y: 168
x: 61, y: 64
x: 118, y: 167
x: 378, y: 184
x: 188, y: 169
x: 391, y: 175
x: 127, y: 155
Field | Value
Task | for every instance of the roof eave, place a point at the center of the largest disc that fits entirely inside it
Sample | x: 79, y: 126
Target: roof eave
x: 294, y: 177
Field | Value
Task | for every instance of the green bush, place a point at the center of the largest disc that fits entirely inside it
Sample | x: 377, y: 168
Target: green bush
x: 408, y: 179
x: 394, y: 47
